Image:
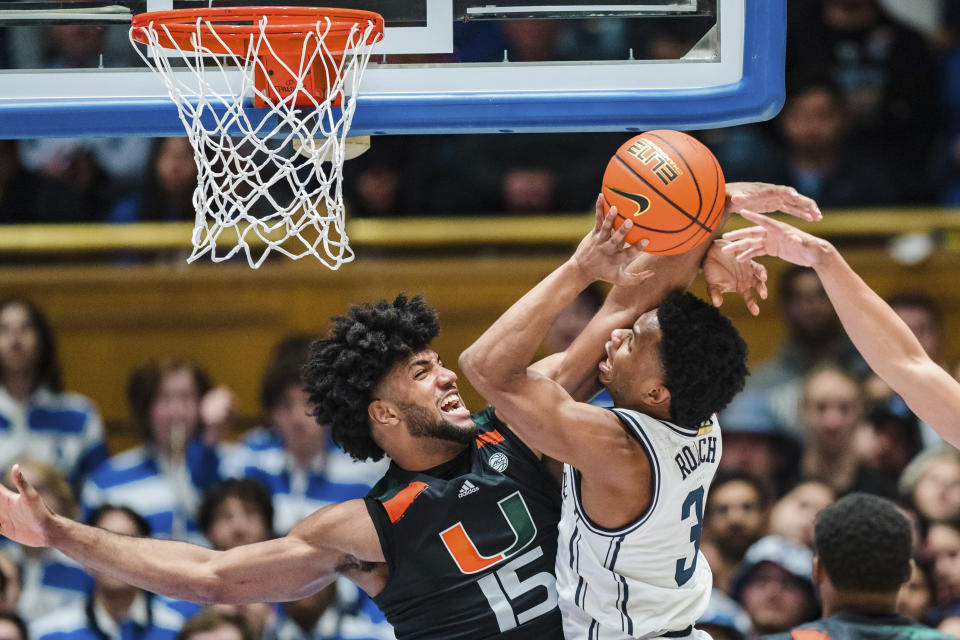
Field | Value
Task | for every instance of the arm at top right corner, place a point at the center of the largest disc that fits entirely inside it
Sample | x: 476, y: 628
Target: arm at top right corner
x: 883, y: 339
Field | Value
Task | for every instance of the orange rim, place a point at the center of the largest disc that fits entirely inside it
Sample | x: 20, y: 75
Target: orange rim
x: 234, y: 25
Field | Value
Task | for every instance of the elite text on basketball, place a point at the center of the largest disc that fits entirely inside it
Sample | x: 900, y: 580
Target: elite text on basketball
x: 647, y: 153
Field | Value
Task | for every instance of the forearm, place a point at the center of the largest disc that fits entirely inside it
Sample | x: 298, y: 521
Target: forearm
x: 174, y: 569
x: 889, y: 346
x: 884, y: 340
x: 272, y: 571
x: 506, y: 349
x: 672, y: 272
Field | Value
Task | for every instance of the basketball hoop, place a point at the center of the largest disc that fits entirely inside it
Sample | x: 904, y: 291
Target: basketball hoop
x: 270, y: 174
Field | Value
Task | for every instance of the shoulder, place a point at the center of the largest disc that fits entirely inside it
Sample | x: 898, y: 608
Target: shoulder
x: 644, y: 425
x: 259, y: 449
x: 129, y: 466
x: 66, y: 400
x: 346, y: 531
x: 66, y: 413
x: 342, y: 521
x: 261, y: 439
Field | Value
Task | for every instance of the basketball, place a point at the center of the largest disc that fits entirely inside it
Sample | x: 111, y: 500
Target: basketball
x: 670, y: 186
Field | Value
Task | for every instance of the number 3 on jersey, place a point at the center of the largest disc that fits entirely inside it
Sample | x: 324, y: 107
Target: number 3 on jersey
x: 693, y: 501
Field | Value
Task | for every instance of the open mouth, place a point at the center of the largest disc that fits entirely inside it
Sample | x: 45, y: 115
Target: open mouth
x: 452, y: 404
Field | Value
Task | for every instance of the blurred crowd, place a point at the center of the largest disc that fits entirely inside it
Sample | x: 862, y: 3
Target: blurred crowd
x: 184, y: 481
x: 814, y: 424
x: 872, y: 118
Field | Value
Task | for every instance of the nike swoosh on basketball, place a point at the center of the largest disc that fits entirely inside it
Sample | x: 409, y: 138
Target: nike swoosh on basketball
x: 642, y: 201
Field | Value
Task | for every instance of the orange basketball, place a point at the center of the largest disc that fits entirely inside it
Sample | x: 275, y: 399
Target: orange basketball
x: 670, y: 186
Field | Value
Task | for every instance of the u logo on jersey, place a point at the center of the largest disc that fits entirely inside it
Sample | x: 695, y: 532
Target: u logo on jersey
x: 464, y: 551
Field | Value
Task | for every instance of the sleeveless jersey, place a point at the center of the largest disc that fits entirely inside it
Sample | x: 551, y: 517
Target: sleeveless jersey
x: 471, y: 545
x: 648, y: 578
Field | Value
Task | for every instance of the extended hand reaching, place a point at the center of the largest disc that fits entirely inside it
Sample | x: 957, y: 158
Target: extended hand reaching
x: 774, y: 238
x: 725, y: 274
x: 763, y: 197
x: 24, y: 516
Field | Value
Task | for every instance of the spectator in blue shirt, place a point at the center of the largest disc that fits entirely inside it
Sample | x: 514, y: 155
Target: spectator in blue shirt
x: 180, y: 418
x: 234, y: 512
x: 49, y: 579
x: 116, y: 610
x: 37, y: 418
x: 238, y: 511
x: 294, y: 457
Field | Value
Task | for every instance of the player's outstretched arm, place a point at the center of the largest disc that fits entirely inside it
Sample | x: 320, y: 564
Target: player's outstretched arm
x: 329, y: 542
x: 884, y: 340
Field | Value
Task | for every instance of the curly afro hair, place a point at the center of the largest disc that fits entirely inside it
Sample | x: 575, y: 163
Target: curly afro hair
x: 343, y: 369
x: 864, y: 544
x: 704, y: 358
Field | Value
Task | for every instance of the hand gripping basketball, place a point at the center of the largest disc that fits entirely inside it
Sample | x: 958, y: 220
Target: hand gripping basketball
x: 670, y: 186
x: 604, y: 254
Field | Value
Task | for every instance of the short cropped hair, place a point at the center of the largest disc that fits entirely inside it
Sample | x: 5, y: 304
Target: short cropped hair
x: 802, y: 84
x: 211, y: 619
x: 247, y: 490
x: 344, y: 368
x: 864, y: 544
x: 764, y: 495
x: 704, y: 358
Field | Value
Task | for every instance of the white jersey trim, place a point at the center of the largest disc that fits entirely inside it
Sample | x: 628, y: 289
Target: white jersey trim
x: 637, y: 431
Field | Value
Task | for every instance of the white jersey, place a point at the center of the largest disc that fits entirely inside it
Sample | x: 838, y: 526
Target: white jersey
x: 647, y: 579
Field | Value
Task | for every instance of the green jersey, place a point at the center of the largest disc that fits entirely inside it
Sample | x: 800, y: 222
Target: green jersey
x: 471, y: 545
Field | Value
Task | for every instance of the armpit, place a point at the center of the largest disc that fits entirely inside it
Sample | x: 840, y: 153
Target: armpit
x: 349, y: 563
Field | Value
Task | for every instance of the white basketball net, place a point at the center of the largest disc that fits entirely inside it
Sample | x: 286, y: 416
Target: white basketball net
x: 273, y: 181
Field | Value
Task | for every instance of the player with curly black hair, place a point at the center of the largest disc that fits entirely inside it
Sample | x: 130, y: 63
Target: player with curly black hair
x: 635, y: 477
x: 459, y: 538
x: 863, y: 548
x: 343, y: 369
x: 703, y: 357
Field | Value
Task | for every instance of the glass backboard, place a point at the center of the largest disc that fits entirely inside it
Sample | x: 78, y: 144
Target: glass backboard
x: 444, y: 66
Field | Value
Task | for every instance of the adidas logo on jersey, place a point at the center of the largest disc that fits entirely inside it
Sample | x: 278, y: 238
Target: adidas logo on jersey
x: 467, y: 488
